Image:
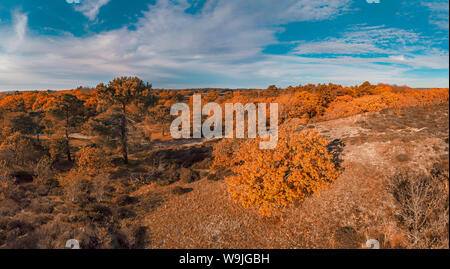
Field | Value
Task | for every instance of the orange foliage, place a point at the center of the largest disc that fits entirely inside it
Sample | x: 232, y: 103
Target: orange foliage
x: 91, y: 160
x: 384, y: 97
x: 303, y: 105
x: 18, y: 149
x: 224, y: 153
x: 271, y: 179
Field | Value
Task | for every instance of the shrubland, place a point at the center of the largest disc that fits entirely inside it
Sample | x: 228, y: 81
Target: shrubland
x: 91, y: 163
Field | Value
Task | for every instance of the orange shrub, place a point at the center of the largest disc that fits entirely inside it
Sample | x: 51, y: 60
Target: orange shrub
x: 271, y: 179
x: 91, y: 160
x: 90, y: 172
x: 303, y: 104
x: 384, y: 98
x: 347, y: 106
x: 223, y: 153
x: 19, y: 150
x: 382, y: 88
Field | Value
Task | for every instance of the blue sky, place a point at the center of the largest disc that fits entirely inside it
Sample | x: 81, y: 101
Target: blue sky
x: 61, y: 44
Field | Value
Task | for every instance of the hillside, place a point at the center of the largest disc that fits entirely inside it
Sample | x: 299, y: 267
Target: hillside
x: 355, y: 208
x: 371, y: 160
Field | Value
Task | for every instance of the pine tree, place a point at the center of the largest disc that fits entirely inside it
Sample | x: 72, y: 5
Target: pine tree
x: 123, y: 91
x: 65, y: 111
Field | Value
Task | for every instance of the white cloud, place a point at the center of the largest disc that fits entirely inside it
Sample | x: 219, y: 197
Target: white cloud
x: 220, y: 46
x: 372, y: 44
x: 364, y: 40
x: 439, y: 13
x: 277, y: 12
x: 90, y: 8
x: 20, y: 24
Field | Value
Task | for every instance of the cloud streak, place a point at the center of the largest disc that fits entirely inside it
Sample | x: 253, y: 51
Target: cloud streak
x: 90, y: 8
x: 439, y: 13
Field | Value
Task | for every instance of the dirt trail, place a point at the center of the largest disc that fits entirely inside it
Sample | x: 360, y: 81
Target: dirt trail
x: 159, y: 144
x: 182, y: 142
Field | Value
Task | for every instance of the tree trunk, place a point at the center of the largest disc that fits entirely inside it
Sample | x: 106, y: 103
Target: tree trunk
x: 123, y: 132
x: 69, y: 158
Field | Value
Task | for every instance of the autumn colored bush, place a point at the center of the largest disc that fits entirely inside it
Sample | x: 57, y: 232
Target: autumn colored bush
x: 384, y: 97
x: 93, y: 167
x: 19, y: 150
x: 91, y: 160
x: 271, y: 179
x: 422, y: 207
x: 58, y: 147
x: 301, y: 105
x: 73, y: 183
x: 43, y: 172
x: 4, y: 179
x: 223, y: 153
x: 89, y: 176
